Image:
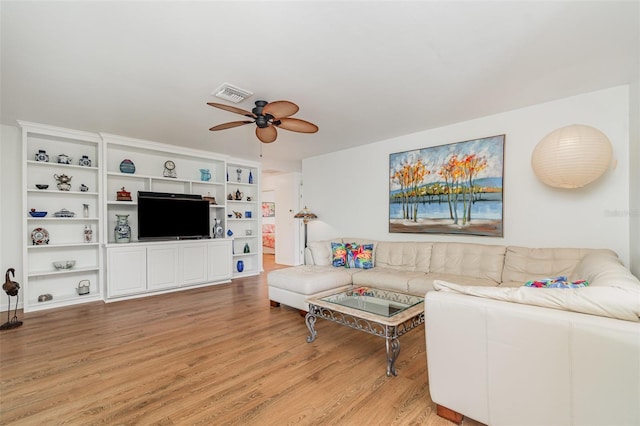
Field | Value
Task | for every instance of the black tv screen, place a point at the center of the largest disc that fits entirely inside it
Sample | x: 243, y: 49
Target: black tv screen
x: 163, y: 215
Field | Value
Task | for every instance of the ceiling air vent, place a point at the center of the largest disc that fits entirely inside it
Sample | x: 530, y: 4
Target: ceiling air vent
x: 232, y: 93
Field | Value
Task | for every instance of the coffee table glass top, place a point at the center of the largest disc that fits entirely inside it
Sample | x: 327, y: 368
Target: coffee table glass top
x: 375, y: 301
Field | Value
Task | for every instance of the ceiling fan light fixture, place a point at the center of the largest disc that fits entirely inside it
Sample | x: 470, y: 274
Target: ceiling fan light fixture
x: 231, y: 93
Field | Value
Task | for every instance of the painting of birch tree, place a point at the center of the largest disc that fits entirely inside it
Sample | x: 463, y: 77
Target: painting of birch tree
x: 448, y: 189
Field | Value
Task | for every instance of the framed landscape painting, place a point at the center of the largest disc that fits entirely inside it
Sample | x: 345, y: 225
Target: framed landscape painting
x: 448, y: 189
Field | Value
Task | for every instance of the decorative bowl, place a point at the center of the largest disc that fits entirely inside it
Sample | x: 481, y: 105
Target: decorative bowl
x: 64, y: 213
x: 64, y: 264
x: 45, y: 297
x: 34, y: 213
x: 41, y: 186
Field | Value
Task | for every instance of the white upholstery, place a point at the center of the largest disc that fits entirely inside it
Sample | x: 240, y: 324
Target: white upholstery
x: 391, y: 279
x: 498, y: 352
x: 403, y: 256
x: 510, y: 364
x: 612, y: 302
x: 524, y: 263
x: 468, y: 260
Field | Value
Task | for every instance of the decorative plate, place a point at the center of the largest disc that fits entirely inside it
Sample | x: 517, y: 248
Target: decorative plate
x: 40, y: 236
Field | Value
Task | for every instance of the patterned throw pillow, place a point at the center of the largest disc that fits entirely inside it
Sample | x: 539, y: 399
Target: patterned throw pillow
x: 359, y: 256
x: 338, y: 254
x: 557, y: 282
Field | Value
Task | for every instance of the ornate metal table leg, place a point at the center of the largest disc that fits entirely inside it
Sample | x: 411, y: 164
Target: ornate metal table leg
x: 393, y: 350
x: 310, y: 320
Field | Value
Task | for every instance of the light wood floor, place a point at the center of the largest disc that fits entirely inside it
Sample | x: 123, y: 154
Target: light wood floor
x: 209, y: 356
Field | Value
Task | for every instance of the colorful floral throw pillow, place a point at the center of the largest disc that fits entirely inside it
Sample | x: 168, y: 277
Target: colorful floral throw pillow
x: 557, y: 282
x: 339, y: 254
x: 359, y: 256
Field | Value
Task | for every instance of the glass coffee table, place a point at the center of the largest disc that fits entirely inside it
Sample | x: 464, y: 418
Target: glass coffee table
x: 385, y: 313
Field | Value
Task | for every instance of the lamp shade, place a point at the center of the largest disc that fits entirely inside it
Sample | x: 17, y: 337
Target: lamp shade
x: 305, y: 214
x: 572, y: 156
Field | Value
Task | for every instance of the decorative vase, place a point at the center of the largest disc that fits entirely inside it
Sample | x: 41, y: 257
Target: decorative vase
x: 42, y: 155
x: 122, y: 229
x: 84, y: 161
x: 88, y: 234
x: 205, y: 175
x: 250, y: 177
x: 246, y: 248
x: 85, y: 210
x: 218, y: 231
x: 240, y: 266
x: 239, y: 172
x: 229, y: 232
x: 127, y: 166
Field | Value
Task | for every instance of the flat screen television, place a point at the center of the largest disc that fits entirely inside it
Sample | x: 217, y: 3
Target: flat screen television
x: 168, y: 216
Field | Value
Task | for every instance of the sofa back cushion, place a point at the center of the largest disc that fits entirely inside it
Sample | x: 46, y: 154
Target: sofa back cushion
x: 603, y: 268
x: 524, y: 263
x: 469, y: 260
x: 319, y: 252
x: 408, y: 256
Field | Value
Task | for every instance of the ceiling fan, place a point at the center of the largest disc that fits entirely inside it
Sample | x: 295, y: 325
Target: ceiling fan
x: 268, y: 116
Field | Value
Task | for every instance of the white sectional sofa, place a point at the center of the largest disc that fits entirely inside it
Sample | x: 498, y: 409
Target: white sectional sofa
x: 499, y: 352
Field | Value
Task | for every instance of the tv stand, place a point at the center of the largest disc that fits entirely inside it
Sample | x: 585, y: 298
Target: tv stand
x: 137, y: 269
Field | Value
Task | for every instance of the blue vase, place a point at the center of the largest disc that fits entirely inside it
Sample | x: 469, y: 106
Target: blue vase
x: 240, y: 266
x: 250, y: 177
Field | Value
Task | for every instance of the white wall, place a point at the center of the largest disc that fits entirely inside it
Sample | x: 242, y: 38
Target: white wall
x: 348, y: 190
x: 10, y: 214
x: 634, y: 167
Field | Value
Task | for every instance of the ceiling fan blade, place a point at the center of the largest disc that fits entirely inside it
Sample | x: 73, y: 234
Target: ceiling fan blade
x: 229, y: 125
x: 232, y: 109
x: 267, y: 134
x: 280, y: 109
x: 297, y: 125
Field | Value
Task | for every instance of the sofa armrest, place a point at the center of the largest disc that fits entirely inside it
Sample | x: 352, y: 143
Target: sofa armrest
x: 506, y: 363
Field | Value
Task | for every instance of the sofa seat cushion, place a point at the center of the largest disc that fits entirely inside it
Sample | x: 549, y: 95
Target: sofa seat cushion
x: 470, y: 260
x: 620, y: 303
x: 424, y: 283
x: 386, y: 278
x: 310, y: 279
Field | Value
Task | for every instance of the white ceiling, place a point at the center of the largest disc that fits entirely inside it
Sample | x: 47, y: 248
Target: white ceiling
x: 363, y: 71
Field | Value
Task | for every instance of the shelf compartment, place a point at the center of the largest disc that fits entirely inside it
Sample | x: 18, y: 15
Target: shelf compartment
x: 62, y: 245
x: 55, y: 164
x: 74, y: 270
x: 68, y: 219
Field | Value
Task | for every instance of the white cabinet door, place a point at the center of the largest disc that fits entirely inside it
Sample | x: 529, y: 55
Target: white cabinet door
x: 126, y: 271
x: 194, y: 263
x: 219, y: 261
x: 162, y: 267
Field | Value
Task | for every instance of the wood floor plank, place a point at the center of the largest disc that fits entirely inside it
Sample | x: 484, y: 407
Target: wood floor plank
x: 216, y: 355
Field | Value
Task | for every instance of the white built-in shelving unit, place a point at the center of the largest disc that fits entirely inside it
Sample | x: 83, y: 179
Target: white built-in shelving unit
x: 117, y: 270
x: 247, y: 229
x: 66, y: 240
